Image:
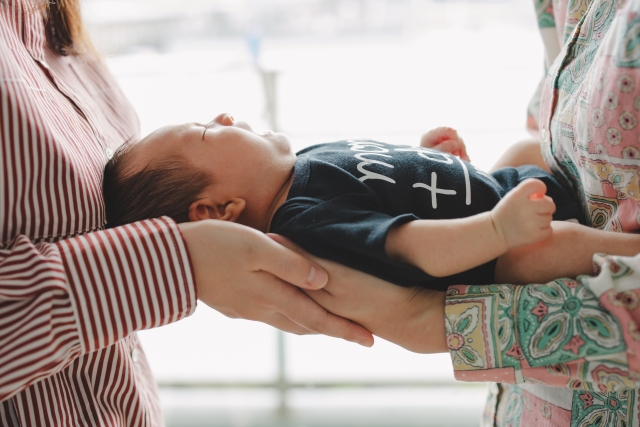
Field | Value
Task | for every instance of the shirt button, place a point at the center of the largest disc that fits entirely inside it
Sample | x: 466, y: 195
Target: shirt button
x: 109, y: 153
x: 544, y: 134
x: 134, y: 355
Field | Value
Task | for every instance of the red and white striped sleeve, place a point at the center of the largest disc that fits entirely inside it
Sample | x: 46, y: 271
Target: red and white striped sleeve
x: 61, y: 300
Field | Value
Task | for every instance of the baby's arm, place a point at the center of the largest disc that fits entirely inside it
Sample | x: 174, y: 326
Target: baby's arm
x: 446, y: 247
x: 522, y: 153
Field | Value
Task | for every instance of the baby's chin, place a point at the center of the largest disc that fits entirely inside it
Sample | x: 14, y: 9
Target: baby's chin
x: 281, y: 140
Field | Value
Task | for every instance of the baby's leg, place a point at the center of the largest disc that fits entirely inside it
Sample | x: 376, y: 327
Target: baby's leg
x: 567, y: 253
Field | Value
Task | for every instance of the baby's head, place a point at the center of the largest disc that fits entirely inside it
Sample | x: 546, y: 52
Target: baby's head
x: 190, y: 172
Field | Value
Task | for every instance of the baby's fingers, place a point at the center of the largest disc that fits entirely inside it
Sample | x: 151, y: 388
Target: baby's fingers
x: 452, y: 146
x: 543, y: 205
x: 545, y: 232
x: 532, y: 188
x: 540, y: 228
x: 438, y: 135
x: 463, y: 152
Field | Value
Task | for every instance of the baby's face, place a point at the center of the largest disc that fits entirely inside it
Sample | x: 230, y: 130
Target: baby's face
x: 230, y: 151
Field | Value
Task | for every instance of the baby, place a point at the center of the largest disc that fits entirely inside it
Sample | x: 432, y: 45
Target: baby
x: 412, y: 216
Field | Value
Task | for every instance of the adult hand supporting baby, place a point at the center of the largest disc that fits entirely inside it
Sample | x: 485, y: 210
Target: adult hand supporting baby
x: 243, y: 274
x: 409, y: 317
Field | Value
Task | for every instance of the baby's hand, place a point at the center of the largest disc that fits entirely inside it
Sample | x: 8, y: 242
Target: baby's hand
x: 524, y: 215
x: 446, y: 140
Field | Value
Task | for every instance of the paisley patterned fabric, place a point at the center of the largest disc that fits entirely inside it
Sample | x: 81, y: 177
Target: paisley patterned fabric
x: 589, y: 111
x: 567, y: 353
x: 581, y: 335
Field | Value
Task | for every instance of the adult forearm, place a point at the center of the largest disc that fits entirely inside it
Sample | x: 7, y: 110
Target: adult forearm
x: 80, y: 295
x: 445, y: 247
x: 567, y: 253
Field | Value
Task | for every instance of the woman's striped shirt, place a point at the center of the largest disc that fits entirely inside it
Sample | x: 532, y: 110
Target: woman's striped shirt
x: 72, y: 294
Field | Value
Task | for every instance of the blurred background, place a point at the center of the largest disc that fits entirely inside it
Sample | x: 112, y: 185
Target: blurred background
x: 319, y: 70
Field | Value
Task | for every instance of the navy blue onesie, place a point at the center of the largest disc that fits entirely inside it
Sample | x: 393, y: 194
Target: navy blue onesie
x: 347, y: 195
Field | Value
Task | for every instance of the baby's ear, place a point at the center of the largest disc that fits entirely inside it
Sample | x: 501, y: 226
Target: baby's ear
x: 206, y: 209
x: 232, y: 209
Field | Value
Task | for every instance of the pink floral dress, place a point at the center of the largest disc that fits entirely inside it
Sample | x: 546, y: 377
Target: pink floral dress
x: 567, y: 353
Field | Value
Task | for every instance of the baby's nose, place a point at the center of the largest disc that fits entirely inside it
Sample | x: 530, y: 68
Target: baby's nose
x: 224, y: 119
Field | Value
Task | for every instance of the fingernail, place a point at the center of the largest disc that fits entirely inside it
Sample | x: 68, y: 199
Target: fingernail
x: 317, y: 278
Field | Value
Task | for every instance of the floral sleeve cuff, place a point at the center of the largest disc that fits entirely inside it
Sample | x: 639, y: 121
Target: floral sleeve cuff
x: 567, y: 333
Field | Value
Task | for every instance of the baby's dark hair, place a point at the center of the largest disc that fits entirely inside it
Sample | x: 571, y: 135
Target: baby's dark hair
x: 166, y: 188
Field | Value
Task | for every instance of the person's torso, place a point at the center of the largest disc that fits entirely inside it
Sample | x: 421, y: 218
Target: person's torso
x: 347, y: 196
x: 590, y: 109
x: 61, y: 119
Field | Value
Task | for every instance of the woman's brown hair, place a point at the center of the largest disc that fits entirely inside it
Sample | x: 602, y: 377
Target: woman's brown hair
x: 65, y: 32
